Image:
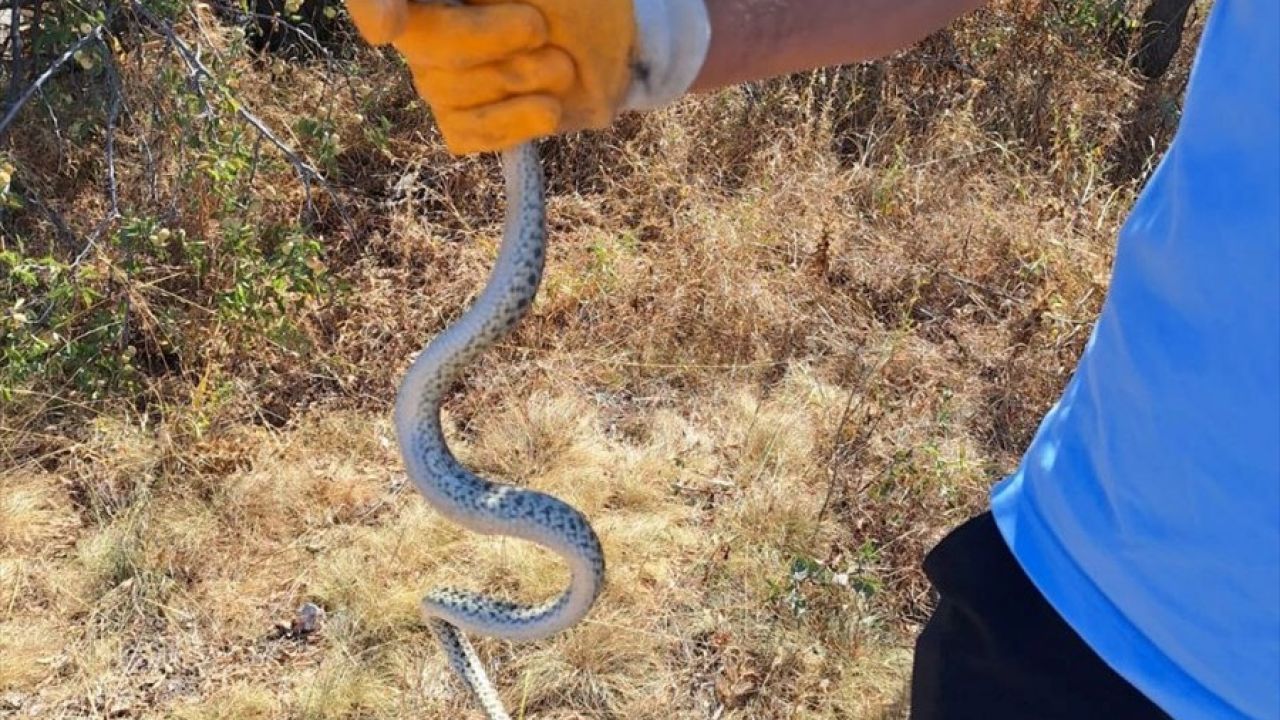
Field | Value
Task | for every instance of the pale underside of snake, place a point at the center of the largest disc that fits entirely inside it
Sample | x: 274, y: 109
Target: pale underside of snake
x: 471, y: 501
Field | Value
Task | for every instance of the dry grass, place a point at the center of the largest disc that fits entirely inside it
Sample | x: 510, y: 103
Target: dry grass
x: 789, y: 336
x: 701, y: 518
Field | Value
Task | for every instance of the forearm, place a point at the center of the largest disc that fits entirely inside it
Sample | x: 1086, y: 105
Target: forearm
x: 759, y: 39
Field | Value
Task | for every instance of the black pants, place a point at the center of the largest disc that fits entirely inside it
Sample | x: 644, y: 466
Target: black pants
x: 995, y: 649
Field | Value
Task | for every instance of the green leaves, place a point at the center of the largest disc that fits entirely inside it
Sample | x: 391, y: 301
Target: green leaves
x: 263, y: 287
x: 150, y: 290
x: 322, y: 140
x: 172, y: 250
x: 54, y: 324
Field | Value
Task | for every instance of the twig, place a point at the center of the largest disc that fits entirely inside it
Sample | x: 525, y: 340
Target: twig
x: 113, y: 193
x: 92, y: 241
x: 831, y: 462
x: 253, y: 166
x: 615, y: 362
x: 113, y: 116
x: 16, y: 68
x: 153, y: 179
x: 37, y: 18
x: 985, y: 288
x: 95, y: 34
x: 859, y: 442
x: 64, y: 230
x: 55, y: 125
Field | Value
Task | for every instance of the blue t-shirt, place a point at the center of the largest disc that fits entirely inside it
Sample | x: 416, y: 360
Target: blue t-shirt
x: 1147, y: 509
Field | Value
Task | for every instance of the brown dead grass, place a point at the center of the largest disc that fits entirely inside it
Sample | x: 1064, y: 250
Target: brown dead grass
x: 789, y: 336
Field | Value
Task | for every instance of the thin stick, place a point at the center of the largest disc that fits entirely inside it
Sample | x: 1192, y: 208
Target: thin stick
x: 95, y: 34
x: 838, y: 447
x: 16, y: 68
x: 113, y: 116
x: 37, y: 18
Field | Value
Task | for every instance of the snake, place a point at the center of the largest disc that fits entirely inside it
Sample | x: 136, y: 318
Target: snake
x: 478, y: 504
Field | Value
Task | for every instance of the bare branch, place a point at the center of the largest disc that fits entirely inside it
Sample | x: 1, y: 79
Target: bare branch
x: 95, y: 34
x: 37, y: 19
x: 16, y: 69
x: 113, y: 116
x: 305, y: 171
x: 147, y: 152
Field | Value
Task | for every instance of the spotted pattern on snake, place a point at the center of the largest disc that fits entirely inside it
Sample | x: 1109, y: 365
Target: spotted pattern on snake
x: 482, y: 505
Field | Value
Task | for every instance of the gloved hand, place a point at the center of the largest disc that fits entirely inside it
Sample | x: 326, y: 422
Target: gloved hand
x: 499, y: 72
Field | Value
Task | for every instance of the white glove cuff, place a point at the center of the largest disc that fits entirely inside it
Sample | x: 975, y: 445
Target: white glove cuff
x: 672, y: 37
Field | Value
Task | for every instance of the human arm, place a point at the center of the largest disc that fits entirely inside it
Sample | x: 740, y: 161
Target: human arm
x: 500, y: 72
x: 759, y: 39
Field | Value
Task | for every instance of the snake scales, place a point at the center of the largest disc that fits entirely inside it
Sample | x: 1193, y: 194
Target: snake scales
x: 472, y: 501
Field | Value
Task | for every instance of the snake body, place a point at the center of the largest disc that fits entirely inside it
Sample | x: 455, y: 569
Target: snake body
x: 471, y: 501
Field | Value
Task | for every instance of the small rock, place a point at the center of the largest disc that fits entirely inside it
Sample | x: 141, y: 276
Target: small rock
x: 310, y: 617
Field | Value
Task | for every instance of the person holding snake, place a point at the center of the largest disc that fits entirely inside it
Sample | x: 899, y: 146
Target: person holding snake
x: 1130, y: 566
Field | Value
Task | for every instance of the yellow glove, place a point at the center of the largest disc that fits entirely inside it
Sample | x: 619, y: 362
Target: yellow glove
x: 497, y: 73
